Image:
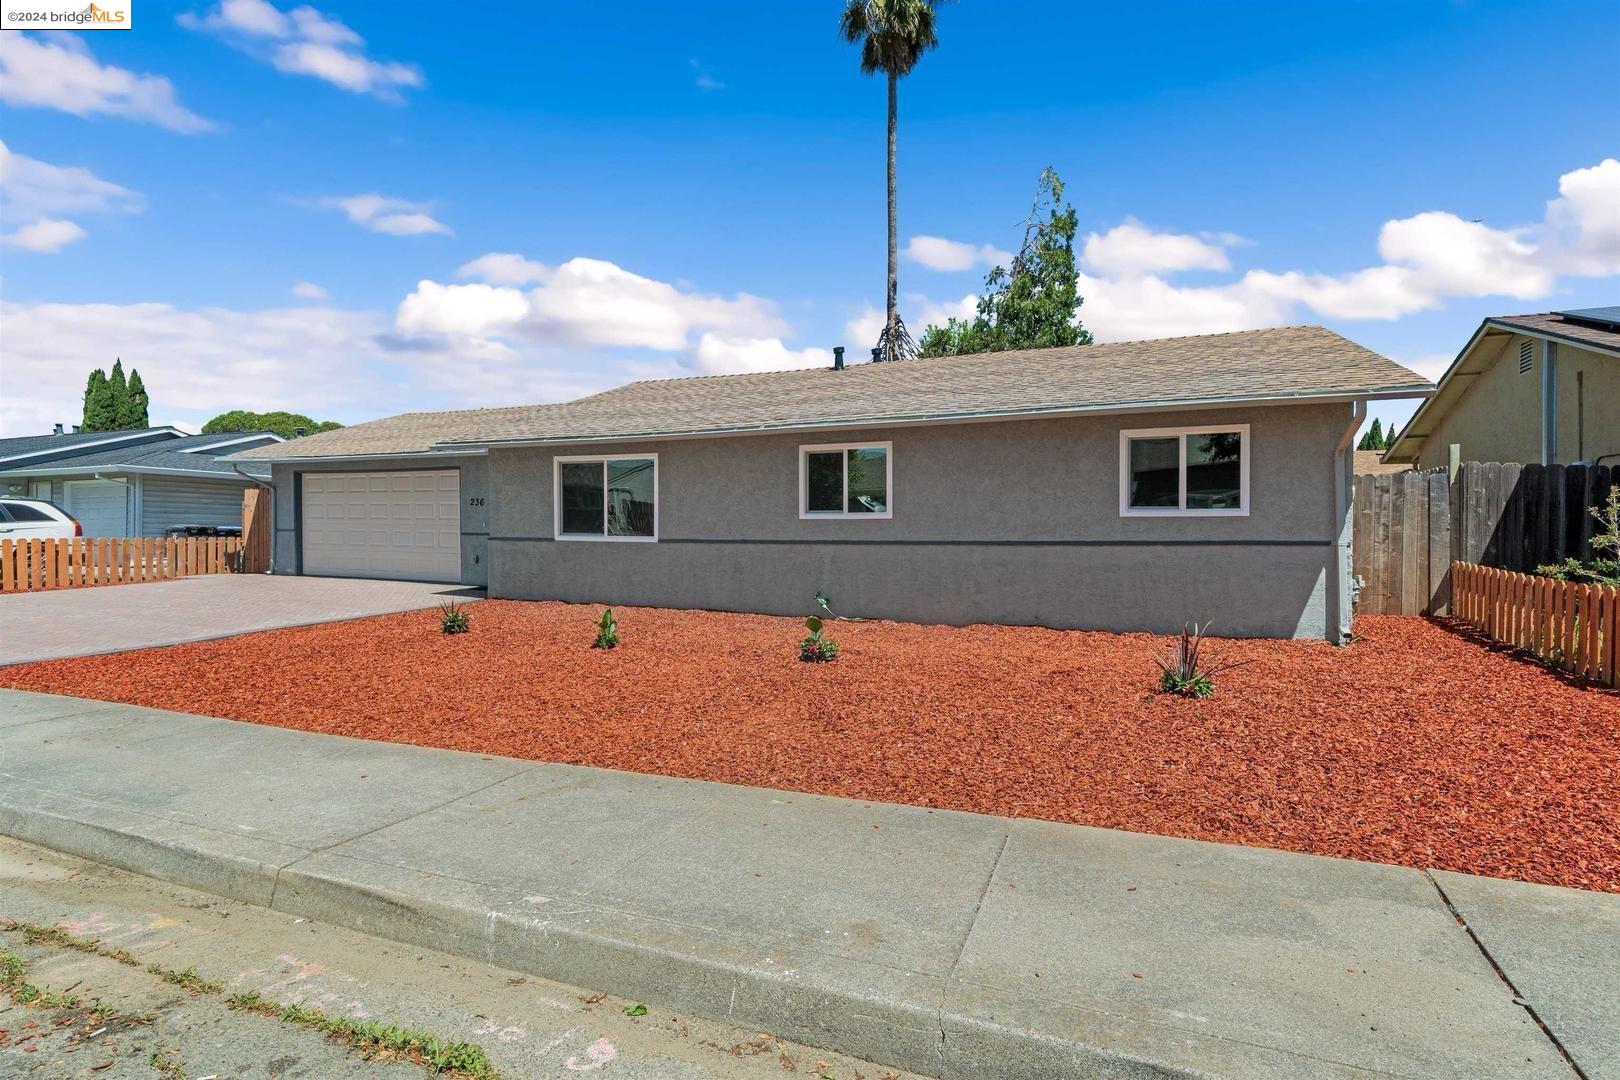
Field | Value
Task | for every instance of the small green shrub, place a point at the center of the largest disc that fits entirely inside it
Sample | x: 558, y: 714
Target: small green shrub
x: 1182, y: 669
x: 453, y: 618
x: 1604, y: 566
x: 817, y: 647
x: 607, y: 631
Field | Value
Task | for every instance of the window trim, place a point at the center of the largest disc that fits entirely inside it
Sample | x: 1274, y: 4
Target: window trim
x: 806, y: 449
x: 558, y: 461
x: 1180, y: 434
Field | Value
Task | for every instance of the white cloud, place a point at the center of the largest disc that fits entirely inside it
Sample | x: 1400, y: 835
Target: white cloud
x: 45, y: 236
x: 717, y: 354
x: 308, y: 290
x: 30, y: 187
x: 303, y: 41
x: 1425, y: 260
x: 861, y: 332
x: 327, y: 362
x: 62, y: 74
x: 1583, y: 223
x: 938, y: 253
x: 500, y: 268
x: 583, y: 301
x: 705, y: 79
x: 385, y: 214
x: 1131, y: 248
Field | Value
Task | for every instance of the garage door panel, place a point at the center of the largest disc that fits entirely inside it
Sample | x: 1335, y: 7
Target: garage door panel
x: 404, y: 525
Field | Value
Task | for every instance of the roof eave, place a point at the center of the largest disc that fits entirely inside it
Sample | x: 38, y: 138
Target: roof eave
x: 1055, y: 411
x: 122, y: 470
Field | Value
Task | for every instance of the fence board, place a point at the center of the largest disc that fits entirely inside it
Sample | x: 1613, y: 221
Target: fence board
x: 81, y: 561
x: 1410, y: 528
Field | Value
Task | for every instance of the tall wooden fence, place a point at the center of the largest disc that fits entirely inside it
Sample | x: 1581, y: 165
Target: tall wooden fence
x: 256, y: 530
x: 54, y: 564
x: 1574, y: 626
x: 1409, y: 528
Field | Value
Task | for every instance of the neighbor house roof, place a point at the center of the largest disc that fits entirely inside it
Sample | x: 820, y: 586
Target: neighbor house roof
x: 1597, y: 329
x: 25, y: 447
x: 1287, y: 364
x: 1371, y: 463
x: 177, y: 455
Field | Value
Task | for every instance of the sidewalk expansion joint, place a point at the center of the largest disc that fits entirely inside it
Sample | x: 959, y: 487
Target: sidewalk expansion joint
x: 414, y: 814
x: 1518, y: 998
x: 950, y: 976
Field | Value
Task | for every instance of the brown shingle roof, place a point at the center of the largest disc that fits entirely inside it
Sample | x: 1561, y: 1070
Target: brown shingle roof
x: 1556, y: 324
x: 1371, y: 463
x: 1254, y: 365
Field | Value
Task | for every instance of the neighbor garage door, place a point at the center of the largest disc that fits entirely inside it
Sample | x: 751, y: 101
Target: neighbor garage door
x: 98, y: 505
x: 404, y: 525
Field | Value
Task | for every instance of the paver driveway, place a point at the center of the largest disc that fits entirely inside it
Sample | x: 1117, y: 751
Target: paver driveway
x: 78, y: 622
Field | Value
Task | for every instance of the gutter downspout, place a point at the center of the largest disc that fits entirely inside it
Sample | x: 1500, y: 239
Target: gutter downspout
x: 1549, y: 402
x: 271, y: 488
x: 1342, y: 595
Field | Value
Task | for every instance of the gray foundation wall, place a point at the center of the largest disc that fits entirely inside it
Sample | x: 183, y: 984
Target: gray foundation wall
x: 474, y: 507
x: 1015, y: 522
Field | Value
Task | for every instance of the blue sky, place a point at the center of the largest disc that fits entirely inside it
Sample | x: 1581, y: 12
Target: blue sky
x: 280, y: 207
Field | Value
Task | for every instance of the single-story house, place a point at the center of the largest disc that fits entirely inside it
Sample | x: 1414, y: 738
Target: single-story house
x: 1130, y: 486
x: 135, y: 483
x: 1535, y: 389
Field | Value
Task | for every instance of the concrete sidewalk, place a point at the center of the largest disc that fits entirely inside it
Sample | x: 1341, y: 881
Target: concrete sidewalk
x: 939, y: 942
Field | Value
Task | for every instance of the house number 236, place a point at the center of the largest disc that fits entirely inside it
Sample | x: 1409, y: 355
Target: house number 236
x: 476, y: 500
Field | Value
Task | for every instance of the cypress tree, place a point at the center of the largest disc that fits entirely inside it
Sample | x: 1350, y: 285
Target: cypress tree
x: 138, y: 402
x: 118, y: 395
x: 1374, y: 439
x: 98, y: 415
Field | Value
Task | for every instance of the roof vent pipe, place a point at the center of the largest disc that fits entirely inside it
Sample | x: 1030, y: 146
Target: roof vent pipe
x: 877, y: 354
x: 838, y: 358
x: 58, y: 430
x: 298, y: 433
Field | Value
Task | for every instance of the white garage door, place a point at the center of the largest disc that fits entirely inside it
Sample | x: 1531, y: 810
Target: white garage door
x: 99, y: 506
x: 404, y: 525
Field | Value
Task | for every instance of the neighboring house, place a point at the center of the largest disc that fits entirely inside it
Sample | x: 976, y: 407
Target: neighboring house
x: 1372, y: 463
x: 1130, y: 486
x: 1536, y: 389
x: 134, y: 483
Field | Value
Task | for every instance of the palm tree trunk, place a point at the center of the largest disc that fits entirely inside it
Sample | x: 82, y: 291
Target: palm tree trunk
x: 891, y: 338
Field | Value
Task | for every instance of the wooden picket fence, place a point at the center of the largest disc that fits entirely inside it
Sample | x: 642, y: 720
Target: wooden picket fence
x: 1573, y: 626
x: 55, y: 564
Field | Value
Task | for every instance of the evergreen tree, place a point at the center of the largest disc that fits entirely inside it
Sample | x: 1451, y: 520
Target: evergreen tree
x: 1033, y: 305
x: 98, y: 412
x: 1374, y: 438
x: 1389, y: 437
x: 137, y: 416
x: 118, y: 396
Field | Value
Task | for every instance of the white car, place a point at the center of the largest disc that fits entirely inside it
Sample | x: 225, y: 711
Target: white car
x: 36, y: 519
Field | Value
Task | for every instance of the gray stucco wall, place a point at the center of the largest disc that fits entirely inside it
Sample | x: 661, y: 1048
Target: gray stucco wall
x: 1014, y: 522
x: 474, y: 506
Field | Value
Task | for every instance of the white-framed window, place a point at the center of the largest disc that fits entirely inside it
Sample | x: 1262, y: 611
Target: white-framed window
x: 1184, y: 472
x: 605, y: 498
x: 847, y: 480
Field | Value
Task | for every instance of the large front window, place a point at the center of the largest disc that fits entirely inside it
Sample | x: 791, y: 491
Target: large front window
x: 1184, y: 471
x: 845, y: 480
x: 607, y: 498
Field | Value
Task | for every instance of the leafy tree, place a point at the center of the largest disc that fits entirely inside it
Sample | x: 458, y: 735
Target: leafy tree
x: 285, y: 424
x: 1373, y: 439
x: 1032, y: 305
x: 893, y: 35
x: 135, y: 415
x: 98, y: 408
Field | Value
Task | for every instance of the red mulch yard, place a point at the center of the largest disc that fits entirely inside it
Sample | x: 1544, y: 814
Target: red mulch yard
x: 1416, y: 745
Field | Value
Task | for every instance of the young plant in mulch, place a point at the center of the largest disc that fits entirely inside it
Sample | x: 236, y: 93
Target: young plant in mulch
x: 453, y: 619
x: 817, y: 647
x: 1183, y: 669
x: 607, y: 631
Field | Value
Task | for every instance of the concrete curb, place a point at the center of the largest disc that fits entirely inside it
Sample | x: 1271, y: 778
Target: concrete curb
x: 896, y: 1019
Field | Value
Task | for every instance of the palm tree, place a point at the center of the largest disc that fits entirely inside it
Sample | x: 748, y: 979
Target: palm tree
x: 893, y: 35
